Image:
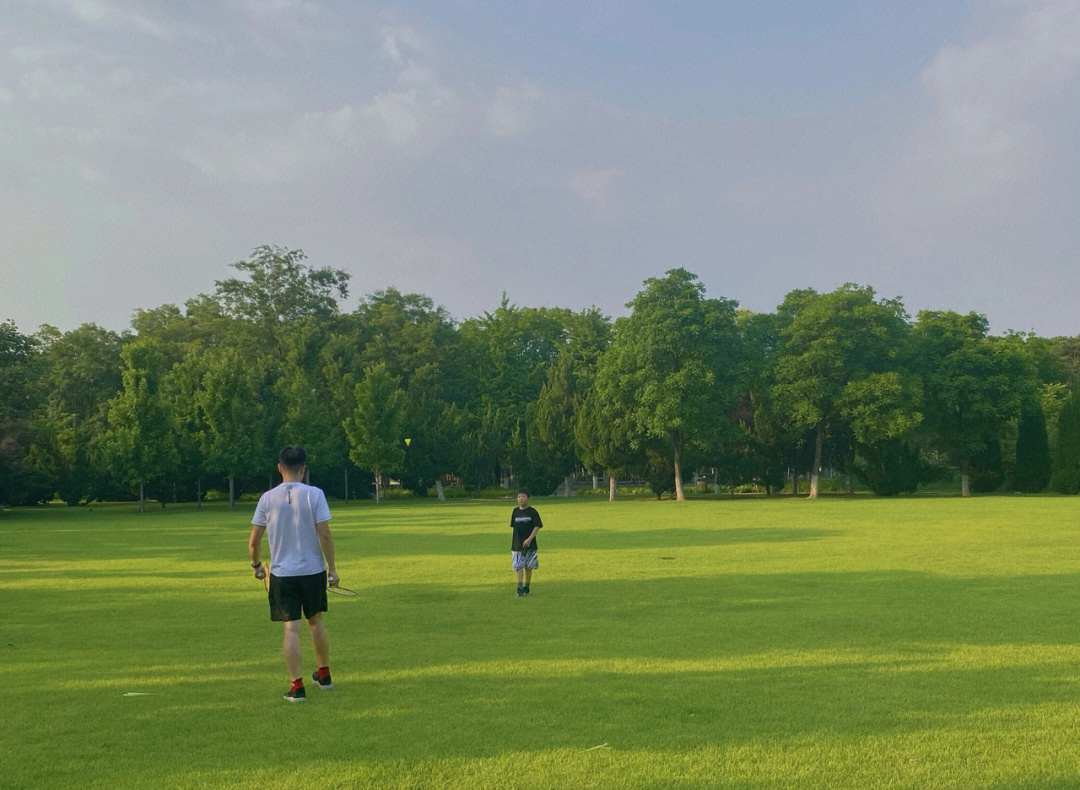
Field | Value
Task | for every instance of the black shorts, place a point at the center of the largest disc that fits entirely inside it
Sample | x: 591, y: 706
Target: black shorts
x: 289, y: 595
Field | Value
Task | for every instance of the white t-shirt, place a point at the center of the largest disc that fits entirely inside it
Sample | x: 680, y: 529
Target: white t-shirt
x: 289, y: 513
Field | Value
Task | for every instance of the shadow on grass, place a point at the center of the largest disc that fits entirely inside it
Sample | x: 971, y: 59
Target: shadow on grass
x: 685, y: 663
x: 694, y: 617
x: 394, y: 544
x: 429, y: 671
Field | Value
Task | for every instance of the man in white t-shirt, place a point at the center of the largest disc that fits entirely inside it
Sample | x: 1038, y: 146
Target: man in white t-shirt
x: 295, y: 518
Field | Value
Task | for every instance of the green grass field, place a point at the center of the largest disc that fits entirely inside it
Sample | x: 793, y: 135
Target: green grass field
x: 866, y: 643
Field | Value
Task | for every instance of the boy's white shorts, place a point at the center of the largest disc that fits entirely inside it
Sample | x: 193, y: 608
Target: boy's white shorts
x: 525, y: 560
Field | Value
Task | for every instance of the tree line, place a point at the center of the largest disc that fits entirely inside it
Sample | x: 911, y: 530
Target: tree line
x: 685, y: 387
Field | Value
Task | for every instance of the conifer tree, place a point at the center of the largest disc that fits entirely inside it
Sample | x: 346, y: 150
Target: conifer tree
x: 1032, y: 450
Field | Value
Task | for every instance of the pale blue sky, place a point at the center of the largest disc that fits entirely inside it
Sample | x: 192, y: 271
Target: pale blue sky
x: 560, y: 152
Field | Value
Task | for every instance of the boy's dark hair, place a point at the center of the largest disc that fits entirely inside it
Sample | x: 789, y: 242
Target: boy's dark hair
x: 525, y: 491
x: 292, y: 458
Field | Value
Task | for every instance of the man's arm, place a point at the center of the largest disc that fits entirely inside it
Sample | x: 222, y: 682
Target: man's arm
x: 525, y: 543
x: 326, y: 540
x: 255, y: 548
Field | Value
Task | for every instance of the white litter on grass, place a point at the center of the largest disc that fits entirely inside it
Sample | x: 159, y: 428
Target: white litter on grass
x: 138, y: 694
x: 601, y: 746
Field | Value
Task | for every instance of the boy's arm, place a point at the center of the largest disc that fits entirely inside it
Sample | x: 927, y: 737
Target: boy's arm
x: 536, y: 519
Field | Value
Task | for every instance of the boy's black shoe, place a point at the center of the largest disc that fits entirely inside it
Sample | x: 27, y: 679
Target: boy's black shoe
x: 296, y: 694
x: 520, y: 592
x: 526, y: 588
x: 323, y: 683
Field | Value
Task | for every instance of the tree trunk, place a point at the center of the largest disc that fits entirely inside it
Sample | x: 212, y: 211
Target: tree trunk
x: 173, y: 493
x: 566, y: 486
x: 612, y: 483
x: 142, y: 499
x: 849, y: 464
x: 680, y: 495
x: 817, y: 462
x: 377, y: 482
x: 439, y: 489
x: 198, y: 492
x: 595, y: 483
x: 346, y: 484
x: 965, y: 477
x: 232, y: 492
x: 794, y: 483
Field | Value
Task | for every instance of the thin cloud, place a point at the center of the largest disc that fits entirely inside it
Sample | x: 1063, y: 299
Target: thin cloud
x: 405, y: 159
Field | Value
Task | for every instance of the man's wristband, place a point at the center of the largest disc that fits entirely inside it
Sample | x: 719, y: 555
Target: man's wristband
x: 256, y: 565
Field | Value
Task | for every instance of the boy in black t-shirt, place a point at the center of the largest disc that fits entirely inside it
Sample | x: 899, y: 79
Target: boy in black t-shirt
x: 525, y: 522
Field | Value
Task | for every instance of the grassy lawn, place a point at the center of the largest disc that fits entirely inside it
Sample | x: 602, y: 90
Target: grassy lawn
x: 866, y: 643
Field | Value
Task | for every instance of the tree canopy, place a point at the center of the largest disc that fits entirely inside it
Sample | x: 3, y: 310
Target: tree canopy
x: 200, y: 397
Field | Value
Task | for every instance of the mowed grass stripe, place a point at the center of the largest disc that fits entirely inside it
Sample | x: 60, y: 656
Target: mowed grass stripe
x: 729, y: 643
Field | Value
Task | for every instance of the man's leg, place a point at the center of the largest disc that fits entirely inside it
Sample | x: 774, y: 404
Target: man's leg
x: 320, y: 640
x: 528, y: 576
x: 291, y: 650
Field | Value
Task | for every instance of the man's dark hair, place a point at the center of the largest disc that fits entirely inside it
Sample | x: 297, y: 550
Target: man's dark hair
x: 292, y: 458
x: 525, y: 491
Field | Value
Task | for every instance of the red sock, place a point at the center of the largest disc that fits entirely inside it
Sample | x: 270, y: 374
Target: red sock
x: 323, y: 672
x: 297, y: 684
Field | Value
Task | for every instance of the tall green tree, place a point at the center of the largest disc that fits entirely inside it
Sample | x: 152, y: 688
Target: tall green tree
x: 507, y: 354
x: 881, y: 413
x: 1068, y: 350
x: 972, y: 385
x: 304, y: 397
x: 279, y: 288
x: 1033, y: 466
x: 183, y: 388
x: 767, y: 438
x: 81, y: 371
x: 671, y: 366
x: 376, y: 429
x: 1066, y: 475
x: 1051, y: 398
x: 139, y: 444
x: 603, y: 435
x: 551, y: 440
x: 234, y: 436
x: 407, y: 332
x: 831, y: 342
x: 20, y: 483
x: 436, y: 429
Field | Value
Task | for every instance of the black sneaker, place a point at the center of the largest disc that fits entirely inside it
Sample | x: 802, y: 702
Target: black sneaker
x: 296, y: 695
x: 520, y: 592
x: 526, y: 589
x: 323, y: 683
